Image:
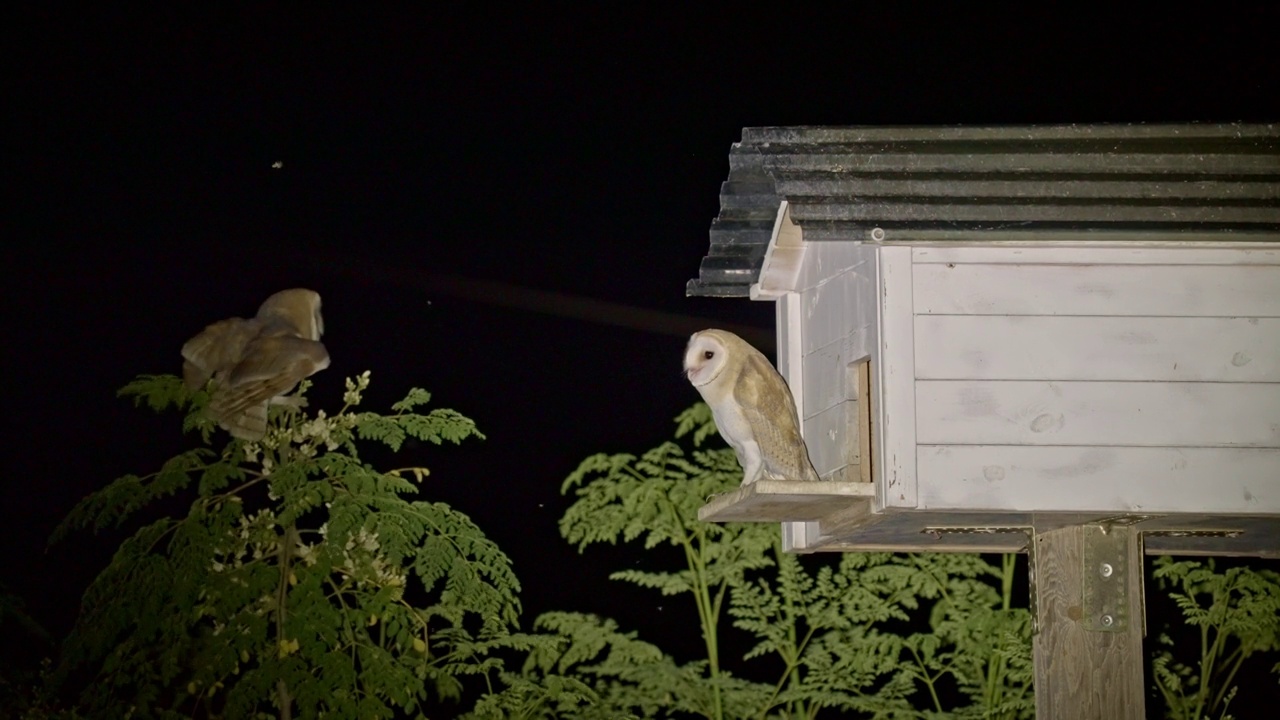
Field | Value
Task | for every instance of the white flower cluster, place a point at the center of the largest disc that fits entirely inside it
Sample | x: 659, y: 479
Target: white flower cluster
x: 253, y: 539
x: 308, y: 437
x: 362, y: 561
x: 355, y: 387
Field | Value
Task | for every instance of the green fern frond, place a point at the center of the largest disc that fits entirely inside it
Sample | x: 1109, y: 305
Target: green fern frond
x: 698, y: 420
x: 414, y: 398
x: 295, y: 564
x: 158, y: 392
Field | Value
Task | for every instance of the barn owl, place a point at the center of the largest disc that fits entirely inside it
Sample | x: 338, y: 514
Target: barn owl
x: 752, y: 406
x: 256, y: 362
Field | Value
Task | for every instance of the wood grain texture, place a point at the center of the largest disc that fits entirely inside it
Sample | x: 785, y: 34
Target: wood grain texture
x: 981, y: 412
x: 824, y: 386
x: 829, y: 436
x: 784, y: 501
x: 894, y: 363
x: 842, y: 306
x: 997, y: 347
x: 1021, y: 478
x: 1082, y: 674
x: 1151, y: 290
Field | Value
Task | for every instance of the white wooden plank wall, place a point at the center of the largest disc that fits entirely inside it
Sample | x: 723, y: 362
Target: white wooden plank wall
x: 836, y: 302
x: 1147, y: 385
x: 963, y: 412
x: 893, y: 381
x: 1155, y: 290
x: 1144, y: 349
x: 1122, y: 479
x: 1161, y: 253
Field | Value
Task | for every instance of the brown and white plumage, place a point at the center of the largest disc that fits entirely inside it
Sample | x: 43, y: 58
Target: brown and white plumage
x: 255, y: 362
x: 752, y: 405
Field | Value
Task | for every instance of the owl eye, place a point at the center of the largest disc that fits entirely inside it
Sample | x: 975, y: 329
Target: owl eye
x: 708, y: 355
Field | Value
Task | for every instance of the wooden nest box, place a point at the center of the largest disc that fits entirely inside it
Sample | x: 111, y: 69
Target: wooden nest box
x: 993, y: 329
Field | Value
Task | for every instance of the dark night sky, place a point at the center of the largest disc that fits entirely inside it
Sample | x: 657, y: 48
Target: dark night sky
x: 575, y: 152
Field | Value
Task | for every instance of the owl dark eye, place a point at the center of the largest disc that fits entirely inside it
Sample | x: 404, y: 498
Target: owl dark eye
x: 708, y: 355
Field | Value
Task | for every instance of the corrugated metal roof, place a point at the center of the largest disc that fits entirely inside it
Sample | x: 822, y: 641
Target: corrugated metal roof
x: 1024, y: 183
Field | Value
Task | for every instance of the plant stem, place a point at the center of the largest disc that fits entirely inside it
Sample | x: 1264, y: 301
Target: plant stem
x: 709, y: 616
x: 996, y: 669
x: 928, y: 681
x: 793, y: 663
x: 1236, y: 659
x: 708, y: 611
x: 282, y: 593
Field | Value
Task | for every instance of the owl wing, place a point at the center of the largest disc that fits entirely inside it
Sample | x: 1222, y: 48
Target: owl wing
x: 770, y: 410
x: 271, y: 367
x: 217, y: 349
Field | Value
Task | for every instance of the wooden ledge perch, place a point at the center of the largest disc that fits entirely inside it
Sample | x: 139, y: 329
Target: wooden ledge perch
x: 785, y: 501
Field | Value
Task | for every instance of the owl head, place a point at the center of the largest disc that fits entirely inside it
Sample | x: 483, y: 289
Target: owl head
x: 297, y: 309
x: 707, y: 355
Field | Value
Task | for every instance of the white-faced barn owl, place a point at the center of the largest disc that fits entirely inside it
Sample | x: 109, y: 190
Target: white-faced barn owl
x: 752, y: 406
x: 256, y: 362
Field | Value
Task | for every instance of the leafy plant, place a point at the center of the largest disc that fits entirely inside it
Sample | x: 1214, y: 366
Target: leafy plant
x: 824, y: 631
x: 1237, y: 613
x: 299, y: 580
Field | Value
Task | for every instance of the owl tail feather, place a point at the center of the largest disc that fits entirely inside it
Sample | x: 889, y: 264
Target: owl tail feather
x: 250, y: 424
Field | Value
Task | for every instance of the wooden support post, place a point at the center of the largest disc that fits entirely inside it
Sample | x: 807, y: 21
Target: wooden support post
x: 1086, y: 590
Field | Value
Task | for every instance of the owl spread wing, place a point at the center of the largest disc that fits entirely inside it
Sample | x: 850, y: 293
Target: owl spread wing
x: 270, y: 367
x: 217, y: 349
x: 773, y: 421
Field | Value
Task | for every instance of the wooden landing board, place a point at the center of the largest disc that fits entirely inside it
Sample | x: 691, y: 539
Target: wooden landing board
x: 785, y: 501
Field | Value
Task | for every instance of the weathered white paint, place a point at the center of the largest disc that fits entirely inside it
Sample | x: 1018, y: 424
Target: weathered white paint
x: 843, y: 307
x: 837, y: 326
x: 894, y: 385
x: 1119, y: 290
x: 825, y: 366
x: 790, y: 341
x: 1073, y: 380
x: 953, y: 347
x: 1165, y: 254
x: 799, y: 536
x: 825, y: 317
x: 969, y: 412
x: 831, y: 438
x: 782, y: 259
x: 790, y: 331
x: 1111, y: 479
x: 825, y: 261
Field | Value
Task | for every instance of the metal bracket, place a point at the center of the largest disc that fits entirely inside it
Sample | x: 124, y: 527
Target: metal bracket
x: 1105, y: 577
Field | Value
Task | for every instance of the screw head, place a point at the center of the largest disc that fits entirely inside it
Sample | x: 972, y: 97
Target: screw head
x: 1108, y: 621
x: 1106, y: 570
